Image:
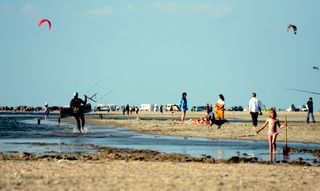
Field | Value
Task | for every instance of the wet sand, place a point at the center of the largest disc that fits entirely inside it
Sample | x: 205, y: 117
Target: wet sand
x: 129, y: 169
x: 298, y: 130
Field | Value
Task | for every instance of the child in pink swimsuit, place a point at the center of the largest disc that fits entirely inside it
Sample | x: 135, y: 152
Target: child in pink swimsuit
x: 273, y: 123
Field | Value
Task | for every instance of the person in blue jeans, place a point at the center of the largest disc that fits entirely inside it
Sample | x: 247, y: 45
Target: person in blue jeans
x: 310, y: 110
x: 183, y: 106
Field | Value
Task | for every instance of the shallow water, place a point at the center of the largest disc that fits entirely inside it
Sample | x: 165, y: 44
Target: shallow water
x: 20, y: 133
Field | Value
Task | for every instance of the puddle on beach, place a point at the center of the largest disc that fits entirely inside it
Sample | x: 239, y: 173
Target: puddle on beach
x: 22, y: 134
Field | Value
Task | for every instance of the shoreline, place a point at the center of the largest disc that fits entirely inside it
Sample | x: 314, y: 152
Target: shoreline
x: 144, y: 155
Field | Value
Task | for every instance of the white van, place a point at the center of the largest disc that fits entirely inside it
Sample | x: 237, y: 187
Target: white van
x: 147, y: 107
x: 175, y: 107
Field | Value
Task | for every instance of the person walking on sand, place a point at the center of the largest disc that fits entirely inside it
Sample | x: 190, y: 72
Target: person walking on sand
x: 219, y: 107
x: 77, y: 110
x: 46, y: 111
x: 255, y: 106
x: 273, y: 123
x: 183, y: 104
x: 310, y: 110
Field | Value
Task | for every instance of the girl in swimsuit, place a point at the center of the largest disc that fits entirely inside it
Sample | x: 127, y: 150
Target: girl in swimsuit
x: 273, y: 123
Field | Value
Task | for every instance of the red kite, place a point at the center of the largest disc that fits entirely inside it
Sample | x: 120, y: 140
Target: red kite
x: 43, y: 21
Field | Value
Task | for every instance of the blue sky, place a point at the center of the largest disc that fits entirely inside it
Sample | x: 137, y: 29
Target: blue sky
x: 151, y: 51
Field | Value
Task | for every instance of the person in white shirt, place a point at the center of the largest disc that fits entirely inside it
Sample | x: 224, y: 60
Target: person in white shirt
x: 255, y: 106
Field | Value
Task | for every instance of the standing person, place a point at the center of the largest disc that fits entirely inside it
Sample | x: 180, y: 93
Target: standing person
x: 219, y: 107
x: 127, y: 109
x: 76, y: 105
x: 183, y: 106
x: 207, y: 109
x: 255, y: 107
x: 161, y: 109
x: 123, y: 110
x: 131, y: 109
x: 273, y: 123
x: 46, y: 111
x: 310, y: 110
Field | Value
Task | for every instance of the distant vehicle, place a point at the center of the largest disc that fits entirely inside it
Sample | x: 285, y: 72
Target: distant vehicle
x: 107, y: 107
x: 293, y: 108
x: 102, y: 107
x: 236, y: 108
x: 198, y: 108
x: 54, y: 108
x: 147, y: 107
x: 174, y: 107
x: 156, y: 108
x: 304, y: 108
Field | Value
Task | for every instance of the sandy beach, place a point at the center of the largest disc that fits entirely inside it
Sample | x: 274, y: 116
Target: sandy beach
x: 135, y: 175
x: 129, y: 169
x: 298, y: 130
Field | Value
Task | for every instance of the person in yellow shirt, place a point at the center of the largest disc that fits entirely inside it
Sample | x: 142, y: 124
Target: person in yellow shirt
x: 219, y: 107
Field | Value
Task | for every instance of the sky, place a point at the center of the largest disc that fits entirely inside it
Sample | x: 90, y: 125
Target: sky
x: 150, y: 51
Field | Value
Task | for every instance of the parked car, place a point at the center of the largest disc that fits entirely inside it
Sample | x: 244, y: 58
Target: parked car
x: 304, y: 108
x: 292, y: 108
x: 198, y: 108
x: 107, y: 107
x: 147, y: 107
x: 172, y: 107
x: 236, y: 108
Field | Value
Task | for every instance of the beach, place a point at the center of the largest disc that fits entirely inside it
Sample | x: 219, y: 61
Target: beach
x: 298, y: 130
x: 159, y: 95
x: 137, y: 175
x: 130, y: 169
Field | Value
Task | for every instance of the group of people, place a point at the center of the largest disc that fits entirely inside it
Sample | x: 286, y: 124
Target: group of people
x: 129, y: 110
x: 214, y: 115
x: 255, y: 109
x: 210, y: 118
